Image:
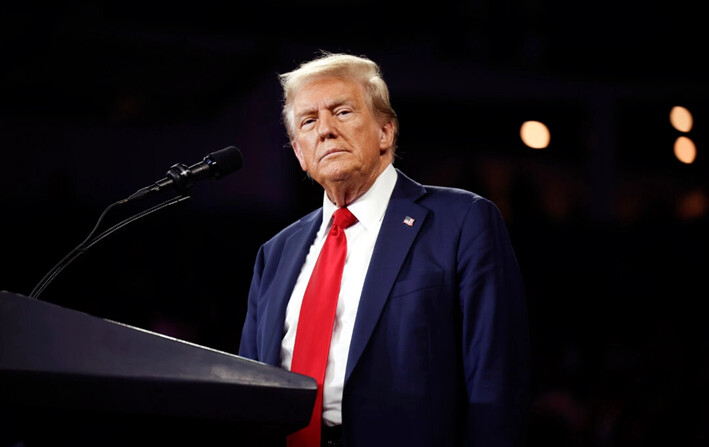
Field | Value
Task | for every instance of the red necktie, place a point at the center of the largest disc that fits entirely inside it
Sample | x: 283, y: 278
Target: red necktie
x: 315, y: 323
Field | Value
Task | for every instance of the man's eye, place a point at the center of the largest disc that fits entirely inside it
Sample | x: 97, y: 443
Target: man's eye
x: 307, y: 122
x: 343, y: 112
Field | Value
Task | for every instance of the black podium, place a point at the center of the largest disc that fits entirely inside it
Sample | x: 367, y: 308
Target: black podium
x: 70, y: 378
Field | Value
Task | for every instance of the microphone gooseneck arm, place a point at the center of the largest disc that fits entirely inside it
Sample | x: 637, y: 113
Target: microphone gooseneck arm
x: 90, y: 241
x: 179, y: 177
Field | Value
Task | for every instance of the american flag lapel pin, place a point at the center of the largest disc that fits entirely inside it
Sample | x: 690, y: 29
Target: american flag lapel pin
x: 409, y: 221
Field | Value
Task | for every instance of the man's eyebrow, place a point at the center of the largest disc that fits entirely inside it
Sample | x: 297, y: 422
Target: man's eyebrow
x: 306, y: 112
x: 336, y: 102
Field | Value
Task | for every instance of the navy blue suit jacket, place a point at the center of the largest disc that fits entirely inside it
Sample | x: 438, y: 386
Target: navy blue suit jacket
x: 440, y: 350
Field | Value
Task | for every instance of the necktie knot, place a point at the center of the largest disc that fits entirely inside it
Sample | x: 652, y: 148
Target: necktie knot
x: 343, y: 218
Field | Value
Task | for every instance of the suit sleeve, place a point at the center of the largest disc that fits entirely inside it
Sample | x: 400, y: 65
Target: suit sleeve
x: 248, y: 346
x: 495, y: 331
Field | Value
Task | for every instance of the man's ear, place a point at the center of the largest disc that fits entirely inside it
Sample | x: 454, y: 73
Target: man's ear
x: 386, y: 136
x: 299, y: 155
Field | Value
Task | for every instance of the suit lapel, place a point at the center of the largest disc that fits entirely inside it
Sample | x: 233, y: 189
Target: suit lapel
x: 393, y: 244
x: 292, y: 259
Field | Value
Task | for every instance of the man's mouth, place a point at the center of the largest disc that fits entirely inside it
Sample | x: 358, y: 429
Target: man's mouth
x: 331, y: 152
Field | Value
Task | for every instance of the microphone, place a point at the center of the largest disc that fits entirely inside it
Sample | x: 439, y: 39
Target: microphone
x: 181, y: 177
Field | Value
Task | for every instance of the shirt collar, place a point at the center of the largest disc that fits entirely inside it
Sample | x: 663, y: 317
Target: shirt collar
x: 369, y: 208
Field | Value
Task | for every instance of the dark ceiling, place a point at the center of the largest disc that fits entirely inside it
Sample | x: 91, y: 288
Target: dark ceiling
x: 83, y: 59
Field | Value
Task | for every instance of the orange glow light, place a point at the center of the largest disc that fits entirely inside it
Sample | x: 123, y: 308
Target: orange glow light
x: 681, y: 119
x: 685, y: 150
x: 535, y: 134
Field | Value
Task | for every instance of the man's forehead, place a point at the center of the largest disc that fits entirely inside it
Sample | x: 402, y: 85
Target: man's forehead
x: 328, y: 90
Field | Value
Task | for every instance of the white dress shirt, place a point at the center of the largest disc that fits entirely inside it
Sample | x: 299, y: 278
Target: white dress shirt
x: 369, y: 210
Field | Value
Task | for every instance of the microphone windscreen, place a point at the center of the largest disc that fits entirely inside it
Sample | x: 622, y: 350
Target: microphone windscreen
x: 224, y: 161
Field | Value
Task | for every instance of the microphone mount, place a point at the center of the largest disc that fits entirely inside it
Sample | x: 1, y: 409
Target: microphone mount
x: 181, y: 177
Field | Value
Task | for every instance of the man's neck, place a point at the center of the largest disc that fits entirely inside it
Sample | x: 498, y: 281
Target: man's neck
x: 344, y: 192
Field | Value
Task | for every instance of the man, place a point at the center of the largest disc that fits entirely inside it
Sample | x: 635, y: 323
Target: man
x: 429, y: 346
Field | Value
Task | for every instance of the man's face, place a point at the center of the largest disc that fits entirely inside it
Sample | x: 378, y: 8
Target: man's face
x: 337, y: 138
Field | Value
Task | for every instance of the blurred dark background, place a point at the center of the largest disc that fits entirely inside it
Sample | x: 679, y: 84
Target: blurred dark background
x: 98, y: 99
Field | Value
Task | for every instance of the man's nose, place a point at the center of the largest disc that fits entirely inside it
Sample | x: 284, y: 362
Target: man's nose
x: 326, y: 126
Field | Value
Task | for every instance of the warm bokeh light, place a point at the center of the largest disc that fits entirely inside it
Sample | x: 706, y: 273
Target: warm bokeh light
x: 681, y: 119
x: 685, y: 150
x: 535, y: 134
x: 693, y: 205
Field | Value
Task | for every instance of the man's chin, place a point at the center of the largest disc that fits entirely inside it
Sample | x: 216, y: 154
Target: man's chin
x: 335, y: 172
